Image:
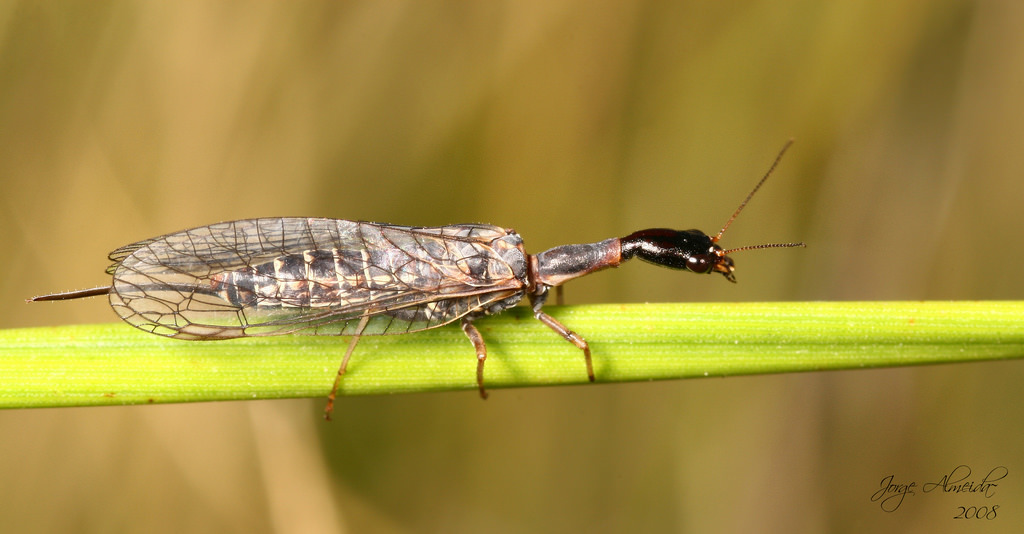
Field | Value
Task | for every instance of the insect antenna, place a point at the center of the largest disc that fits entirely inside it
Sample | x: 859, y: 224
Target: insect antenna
x: 750, y: 196
x: 766, y: 245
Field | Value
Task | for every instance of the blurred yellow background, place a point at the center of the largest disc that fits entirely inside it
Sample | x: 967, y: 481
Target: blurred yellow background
x: 570, y: 122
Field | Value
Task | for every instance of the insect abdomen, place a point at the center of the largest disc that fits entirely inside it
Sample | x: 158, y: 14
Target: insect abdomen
x: 312, y: 279
x: 273, y: 276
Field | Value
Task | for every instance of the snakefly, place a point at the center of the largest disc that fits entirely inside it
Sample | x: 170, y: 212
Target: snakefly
x: 273, y: 276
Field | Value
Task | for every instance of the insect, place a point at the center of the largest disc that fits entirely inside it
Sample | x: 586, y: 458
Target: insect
x: 274, y: 276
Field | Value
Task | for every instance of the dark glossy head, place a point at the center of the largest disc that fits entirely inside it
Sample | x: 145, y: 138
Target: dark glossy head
x: 692, y: 250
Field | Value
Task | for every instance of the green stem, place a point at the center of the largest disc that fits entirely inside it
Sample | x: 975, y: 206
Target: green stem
x: 116, y: 364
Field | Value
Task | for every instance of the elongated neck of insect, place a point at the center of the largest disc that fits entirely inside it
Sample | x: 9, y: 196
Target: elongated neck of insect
x: 557, y: 266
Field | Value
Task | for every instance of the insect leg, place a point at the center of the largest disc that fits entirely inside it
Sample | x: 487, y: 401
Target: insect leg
x: 569, y: 335
x: 481, y: 351
x: 344, y: 364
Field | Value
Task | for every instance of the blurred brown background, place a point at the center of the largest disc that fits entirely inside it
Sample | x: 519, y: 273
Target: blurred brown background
x: 571, y: 122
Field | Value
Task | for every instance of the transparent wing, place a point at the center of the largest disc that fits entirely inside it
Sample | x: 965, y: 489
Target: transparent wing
x: 260, y: 277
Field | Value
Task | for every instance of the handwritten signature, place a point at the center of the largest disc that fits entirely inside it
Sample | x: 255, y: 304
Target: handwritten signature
x: 891, y: 493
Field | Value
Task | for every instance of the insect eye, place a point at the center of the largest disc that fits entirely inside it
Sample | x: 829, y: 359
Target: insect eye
x: 698, y: 263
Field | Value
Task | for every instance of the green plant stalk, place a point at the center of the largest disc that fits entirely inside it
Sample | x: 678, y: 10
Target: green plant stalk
x: 116, y: 364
